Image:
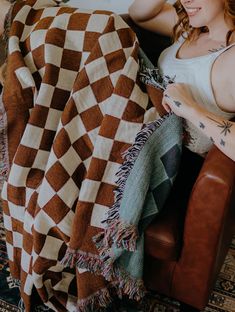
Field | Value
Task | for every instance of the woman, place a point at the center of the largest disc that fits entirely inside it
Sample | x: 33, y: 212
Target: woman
x: 201, y: 61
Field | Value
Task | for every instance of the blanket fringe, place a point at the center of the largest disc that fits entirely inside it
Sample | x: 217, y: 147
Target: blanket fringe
x: 117, y: 231
x: 4, y: 161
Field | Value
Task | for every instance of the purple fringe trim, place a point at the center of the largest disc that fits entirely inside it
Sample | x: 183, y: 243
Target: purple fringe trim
x: 4, y: 160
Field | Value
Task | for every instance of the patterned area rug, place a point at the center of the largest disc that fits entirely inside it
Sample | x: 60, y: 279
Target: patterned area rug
x: 222, y: 298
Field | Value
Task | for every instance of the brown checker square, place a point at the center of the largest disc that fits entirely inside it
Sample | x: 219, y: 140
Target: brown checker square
x: 57, y: 176
x: 115, y: 61
x: 40, y: 266
x: 79, y: 175
x: 51, y: 75
x: 41, y: 111
x: 91, y: 38
x: 124, y: 86
x: 5, y: 207
x: 95, y: 121
x: 47, y: 140
x: 39, y: 242
x: 44, y: 23
x: 71, y: 60
x: 32, y: 206
x: 17, y: 226
x: 68, y: 10
x: 25, y: 156
x: 38, y: 57
x: 62, y: 143
x: 133, y: 112
x: 96, y: 50
x: 17, y: 28
x: 81, y: 81
x: 56, y: 37
x: 69, y: 113
x: 9, y: 237
x: 117, y: 150
x: 56, y: 209
x: 109, y: 125
x: 127, y: 37
x: 83, y: 19
x: 34, y: 177
x: 96, y: 169
x: 84, y: 147
x: 103, y: 89
x: 59, y: 99
x: 34, y: 15
x: 55, y: 278
x: 16, y: 195
x: 105, y: 194
x: 27, y: 242
x: 37, y: 79
x: 57, y: 233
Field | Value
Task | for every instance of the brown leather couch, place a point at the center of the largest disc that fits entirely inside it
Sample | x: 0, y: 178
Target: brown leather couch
x: 187, y: 243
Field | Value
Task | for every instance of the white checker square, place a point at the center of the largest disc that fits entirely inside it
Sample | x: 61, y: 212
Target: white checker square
x: 17, y: 212
x: 64, y: 283
x: 66, y: 79
x: 7, y: 222
x: 110, y: 42
x: 32, y: 136
x: 48, y: 11
x: 13, y: 44
x: 17, y: 239
x: 127, y: 52
x: 119, y: 22
x: 131, y: 68
x: 97, y: 69
x: 74, y: 40
x: 25, y: 77
x: 140, y: 97
x: 89, y: 190
x: 127, y: 131
x: 84, y: 58
x: 117, y: 106
x: 65, y: 225
x: 22, y: 14
x: 18, y: 175
x: 70, y: 160
x: 46, y: 193
x: 93, y: 135
x: 53, y: 54
x: 42, y: 72
x: 28, y: 223
x: 28, y: 59
x: 68, y: 193
x: 10, y: 251
x: 151, y: 115
x: 61, y: 21
x: 28, y: 194
x: 99, y: 214
x: 84, y: 99
x: 110, y: 173
x: 26, y: 32
x: 97, y: 22
x: 37, y: 38
x: 51, y: 248
x: 25, y: 260
x: 37, y: 280
x: 75, y: 129
x: 4, y: 191
x: 45, y: 95
x: 53, y: 119
x: 115, y: 76
x: 41, y: 159
x: 43, y: 223
x: 28, y: 286
x: 103, y: 147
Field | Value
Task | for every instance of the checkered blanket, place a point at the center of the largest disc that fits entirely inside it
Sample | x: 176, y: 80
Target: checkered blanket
x: 73, y: 104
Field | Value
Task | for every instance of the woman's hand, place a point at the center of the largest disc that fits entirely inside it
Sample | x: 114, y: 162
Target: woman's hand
x: 178, y: 99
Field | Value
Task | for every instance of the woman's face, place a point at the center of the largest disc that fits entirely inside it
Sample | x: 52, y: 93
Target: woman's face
x: 203, y: 12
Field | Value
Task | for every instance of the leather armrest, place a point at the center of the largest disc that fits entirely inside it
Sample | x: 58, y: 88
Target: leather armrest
x: 209, y: 222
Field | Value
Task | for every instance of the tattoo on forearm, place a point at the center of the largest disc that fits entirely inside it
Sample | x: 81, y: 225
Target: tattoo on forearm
x: 224, y: 125
x: 212, y: 140
x: 201, y: 125
x: 177, y: 103
x: 222, y: 142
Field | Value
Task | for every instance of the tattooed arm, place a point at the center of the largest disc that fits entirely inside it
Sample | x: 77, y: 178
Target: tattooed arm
x: 178, y: 99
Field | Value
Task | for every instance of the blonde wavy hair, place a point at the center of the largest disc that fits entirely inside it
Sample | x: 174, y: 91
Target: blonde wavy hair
x: 183, y: 25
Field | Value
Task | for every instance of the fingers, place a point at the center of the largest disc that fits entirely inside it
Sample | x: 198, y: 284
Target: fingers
x: 165, y: 103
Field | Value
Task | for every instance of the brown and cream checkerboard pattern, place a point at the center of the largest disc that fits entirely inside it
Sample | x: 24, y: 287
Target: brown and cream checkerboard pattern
x: 73, y: 106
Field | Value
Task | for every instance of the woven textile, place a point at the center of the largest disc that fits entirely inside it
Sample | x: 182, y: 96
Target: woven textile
x: 73, y: 105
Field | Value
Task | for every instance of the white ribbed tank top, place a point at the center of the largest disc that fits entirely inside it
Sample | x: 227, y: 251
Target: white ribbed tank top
x: 196, y: 73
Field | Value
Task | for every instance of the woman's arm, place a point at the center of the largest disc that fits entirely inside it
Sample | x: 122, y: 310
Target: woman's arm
x: 219, y: 130
x: 154, y: 15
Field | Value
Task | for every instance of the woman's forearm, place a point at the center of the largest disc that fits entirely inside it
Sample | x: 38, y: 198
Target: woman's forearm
x: 143, y: 10
x: 219, y: 130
